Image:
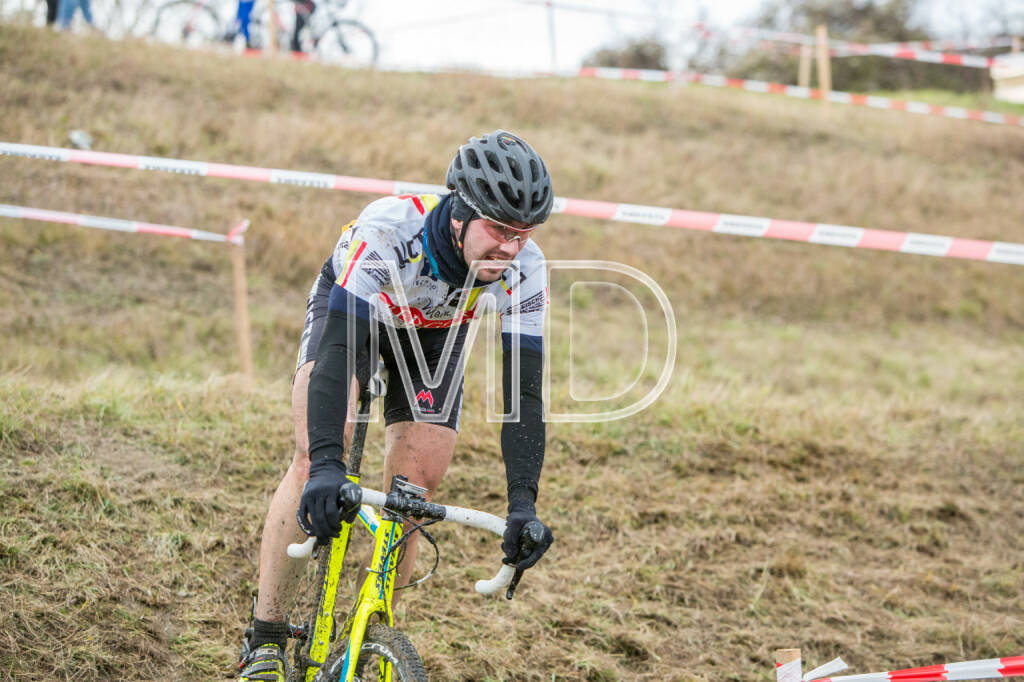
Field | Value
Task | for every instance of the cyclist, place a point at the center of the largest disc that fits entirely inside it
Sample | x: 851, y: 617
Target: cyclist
x: 303, y: 11
x: 241, y: 23
x: 421, y: 289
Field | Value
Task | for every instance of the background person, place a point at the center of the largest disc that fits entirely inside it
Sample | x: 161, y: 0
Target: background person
x: 303, y: 10
x: 241, y: 25
x: 66, y: 12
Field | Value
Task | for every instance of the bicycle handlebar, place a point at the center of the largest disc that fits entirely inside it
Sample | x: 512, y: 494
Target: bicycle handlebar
x: 413, y: 506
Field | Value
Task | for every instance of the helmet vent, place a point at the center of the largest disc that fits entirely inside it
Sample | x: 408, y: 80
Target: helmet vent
x: 484, y: 189
x: 492, y: 161
x: 517, y: 172
x: 535, y: 170
x: 514, y: 198
x: 472, y: 159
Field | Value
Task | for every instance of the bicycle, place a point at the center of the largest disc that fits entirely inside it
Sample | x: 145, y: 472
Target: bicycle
x: 328, y: 35
x: 315, y: 656
x: 192, y: 23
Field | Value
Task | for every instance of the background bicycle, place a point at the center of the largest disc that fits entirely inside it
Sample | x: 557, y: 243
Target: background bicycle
x: 331, y: 34
x: 192, y: 23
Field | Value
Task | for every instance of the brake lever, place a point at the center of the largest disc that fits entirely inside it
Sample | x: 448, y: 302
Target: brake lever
x: 514, y: 584
x: 531, y: 536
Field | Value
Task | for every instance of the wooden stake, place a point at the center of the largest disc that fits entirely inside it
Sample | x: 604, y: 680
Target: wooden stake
x: 782, y: 657
x: 241, y: 309
x: 1015, y: 44
x: 824, y: 65
x: 551, y: 36
x: 273, y: 25
x: 804, y: 75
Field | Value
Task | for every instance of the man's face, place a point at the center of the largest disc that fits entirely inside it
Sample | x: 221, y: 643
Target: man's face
x: 488, y: 241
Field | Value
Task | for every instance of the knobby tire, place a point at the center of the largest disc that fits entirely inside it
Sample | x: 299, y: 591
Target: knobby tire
x: 380, y: 642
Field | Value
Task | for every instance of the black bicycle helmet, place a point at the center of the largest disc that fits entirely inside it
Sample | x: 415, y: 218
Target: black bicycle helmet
x: 501, y: 177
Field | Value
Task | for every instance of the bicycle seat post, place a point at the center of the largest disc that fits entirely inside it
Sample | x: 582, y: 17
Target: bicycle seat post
x: 355, y: 450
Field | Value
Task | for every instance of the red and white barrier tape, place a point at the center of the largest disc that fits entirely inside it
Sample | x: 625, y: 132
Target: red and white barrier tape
x: 745, y: 226
x: 836, y: 96
x: 969, y: 60
x: 855, y: 99
x: 25, y: 213
x: 655, y: 76
x: 783, y: 36
x: 840, y: 52
x: 893, y: 50
x: 951, y: 45
x: 235, y: 234
x: 1012, y: 666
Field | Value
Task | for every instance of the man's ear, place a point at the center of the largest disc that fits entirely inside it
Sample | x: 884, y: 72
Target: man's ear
x: 457, y: 224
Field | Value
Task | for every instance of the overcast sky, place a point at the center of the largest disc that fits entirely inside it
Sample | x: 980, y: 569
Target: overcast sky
x: 514, y: 34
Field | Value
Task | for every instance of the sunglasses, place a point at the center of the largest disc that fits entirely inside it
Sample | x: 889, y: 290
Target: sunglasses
x: 504, y: 232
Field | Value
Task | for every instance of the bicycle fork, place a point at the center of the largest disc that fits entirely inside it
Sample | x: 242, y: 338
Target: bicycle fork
x: 377, y: 591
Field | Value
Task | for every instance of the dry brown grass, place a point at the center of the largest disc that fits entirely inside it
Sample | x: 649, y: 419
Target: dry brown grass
x: 834, y: 466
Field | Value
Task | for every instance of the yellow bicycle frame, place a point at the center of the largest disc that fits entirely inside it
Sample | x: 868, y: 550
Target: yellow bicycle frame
x: 376, y: 593
x: 323, y: 627
x: 374, y: 596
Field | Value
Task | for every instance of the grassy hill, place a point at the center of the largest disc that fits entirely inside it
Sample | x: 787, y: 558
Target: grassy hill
x: 836, y: 463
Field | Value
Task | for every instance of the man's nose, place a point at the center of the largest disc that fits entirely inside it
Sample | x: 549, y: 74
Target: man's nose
x: 512, y: 248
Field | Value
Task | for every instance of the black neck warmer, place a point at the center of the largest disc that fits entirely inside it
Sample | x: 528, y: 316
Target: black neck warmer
x: 445, y: 257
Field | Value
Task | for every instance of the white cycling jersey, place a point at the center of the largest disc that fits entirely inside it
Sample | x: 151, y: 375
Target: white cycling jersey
x: 387, y: 239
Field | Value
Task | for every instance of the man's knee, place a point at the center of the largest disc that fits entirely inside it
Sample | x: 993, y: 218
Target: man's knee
x: 422, y: 452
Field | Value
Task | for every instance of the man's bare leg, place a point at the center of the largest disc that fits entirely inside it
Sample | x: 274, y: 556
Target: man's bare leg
x: 279, y: 573
x: 421, y: 452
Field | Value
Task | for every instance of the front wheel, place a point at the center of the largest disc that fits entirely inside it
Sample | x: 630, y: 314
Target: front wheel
x: 382, y: 648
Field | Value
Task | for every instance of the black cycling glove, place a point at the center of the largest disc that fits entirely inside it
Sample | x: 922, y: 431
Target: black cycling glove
x: 328, y: 498
x: 526, y: 538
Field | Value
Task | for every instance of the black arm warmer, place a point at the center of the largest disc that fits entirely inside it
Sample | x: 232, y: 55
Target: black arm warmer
x: 329, y: 384
x: 522, y: 441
